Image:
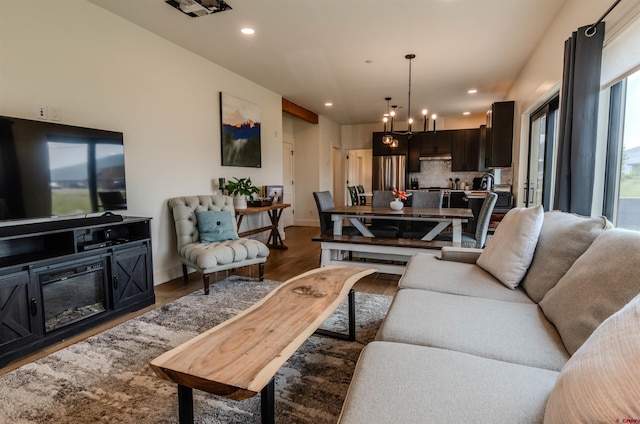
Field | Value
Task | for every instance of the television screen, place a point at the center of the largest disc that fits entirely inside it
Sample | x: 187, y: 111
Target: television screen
x: 54, y: 170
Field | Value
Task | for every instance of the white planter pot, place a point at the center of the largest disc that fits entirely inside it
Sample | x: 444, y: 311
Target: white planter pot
x: 396, y: 205
x: 240, y: 201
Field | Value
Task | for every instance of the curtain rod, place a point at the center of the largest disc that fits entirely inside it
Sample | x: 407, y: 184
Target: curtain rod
x: 591, y: 31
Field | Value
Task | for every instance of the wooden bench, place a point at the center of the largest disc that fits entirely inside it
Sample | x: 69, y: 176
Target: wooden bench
x: 239, y: 358
x: 391, y: 249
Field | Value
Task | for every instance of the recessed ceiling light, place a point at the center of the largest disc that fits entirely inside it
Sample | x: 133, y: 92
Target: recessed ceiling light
x: 466, y: 113
x: 328, y: 104
x: 472, y: 91
x: 248, y: 31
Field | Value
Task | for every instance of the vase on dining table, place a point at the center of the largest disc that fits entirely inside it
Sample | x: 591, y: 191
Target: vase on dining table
x: 397, y: 204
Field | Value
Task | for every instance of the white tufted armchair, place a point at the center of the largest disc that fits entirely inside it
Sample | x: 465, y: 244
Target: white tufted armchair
x: 215, y: 256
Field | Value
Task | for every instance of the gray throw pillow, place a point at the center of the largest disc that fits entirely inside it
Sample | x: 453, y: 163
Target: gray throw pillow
x: 599, y: 384
x: 508, y: 254
x: 563, y: 238
x: 600, y: 282
x: 216, y: 226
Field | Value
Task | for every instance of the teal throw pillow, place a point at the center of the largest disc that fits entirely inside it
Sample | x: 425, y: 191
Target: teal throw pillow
x: 216, y: 226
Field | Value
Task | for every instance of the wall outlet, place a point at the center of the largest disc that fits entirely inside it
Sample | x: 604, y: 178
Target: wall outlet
x: 41, y: 112
x: 54, y: 113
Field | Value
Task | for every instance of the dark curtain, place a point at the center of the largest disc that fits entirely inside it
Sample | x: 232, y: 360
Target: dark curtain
x: 578, y: 121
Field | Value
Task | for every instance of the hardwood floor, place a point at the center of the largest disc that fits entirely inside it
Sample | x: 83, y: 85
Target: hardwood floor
x: 302, y: 255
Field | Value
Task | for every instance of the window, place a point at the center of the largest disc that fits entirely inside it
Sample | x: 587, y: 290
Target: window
x: 622, y: 185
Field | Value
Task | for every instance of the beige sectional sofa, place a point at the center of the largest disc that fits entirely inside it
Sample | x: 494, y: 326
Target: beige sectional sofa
x: 554, y: 337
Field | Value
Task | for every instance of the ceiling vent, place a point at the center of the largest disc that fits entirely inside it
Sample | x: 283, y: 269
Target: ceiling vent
x: 195, y: 8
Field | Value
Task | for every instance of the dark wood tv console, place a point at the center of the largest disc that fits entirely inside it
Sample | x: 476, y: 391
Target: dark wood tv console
x: 61, y: 277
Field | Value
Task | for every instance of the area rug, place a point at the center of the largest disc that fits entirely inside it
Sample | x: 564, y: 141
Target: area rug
x: 107, y: 379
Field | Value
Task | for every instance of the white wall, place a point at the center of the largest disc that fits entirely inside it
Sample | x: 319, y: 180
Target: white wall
x: 104, y: 72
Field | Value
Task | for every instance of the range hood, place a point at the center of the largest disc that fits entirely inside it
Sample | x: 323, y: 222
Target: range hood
x: 436, y: 156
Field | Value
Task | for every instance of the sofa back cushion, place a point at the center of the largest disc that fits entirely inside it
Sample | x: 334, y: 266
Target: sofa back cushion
x: 600, y: 282
x: 563, y: 238
x: 508, y: 254
x: 599, y: 384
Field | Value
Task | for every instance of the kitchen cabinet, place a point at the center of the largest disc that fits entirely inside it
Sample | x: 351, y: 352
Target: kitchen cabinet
x: 499, y: 136
x: 437, y: 143
x: 465, y: 148
x: 414, y: 153
x: 381, y: 149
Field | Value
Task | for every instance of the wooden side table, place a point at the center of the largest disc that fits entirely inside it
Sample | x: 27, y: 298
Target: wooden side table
x: 275, y: 213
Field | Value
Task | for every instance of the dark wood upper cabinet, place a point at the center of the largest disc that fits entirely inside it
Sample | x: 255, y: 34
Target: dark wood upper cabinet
x: 465, y: 148
x: 435, y: 143
x: 499, y: 135
x: 414, y: 153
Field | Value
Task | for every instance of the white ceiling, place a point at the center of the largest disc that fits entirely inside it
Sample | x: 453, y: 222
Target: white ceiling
x: 315, y: 51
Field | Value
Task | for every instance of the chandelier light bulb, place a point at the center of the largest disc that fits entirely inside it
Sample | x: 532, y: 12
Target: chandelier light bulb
x: 392, y: 113
x: 424, y: 112
x: 434, y: 116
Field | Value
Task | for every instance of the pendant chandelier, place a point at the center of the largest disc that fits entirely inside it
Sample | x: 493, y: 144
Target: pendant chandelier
x: 389, y: 117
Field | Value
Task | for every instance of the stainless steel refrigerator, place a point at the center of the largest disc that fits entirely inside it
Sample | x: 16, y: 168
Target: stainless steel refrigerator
x: 389, y: 172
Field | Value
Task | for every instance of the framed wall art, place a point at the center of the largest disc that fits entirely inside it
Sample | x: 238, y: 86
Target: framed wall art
x: 240, y: 126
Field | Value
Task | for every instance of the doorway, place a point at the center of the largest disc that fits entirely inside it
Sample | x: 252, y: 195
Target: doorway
x: 287, y: 183
x: 359, y: 168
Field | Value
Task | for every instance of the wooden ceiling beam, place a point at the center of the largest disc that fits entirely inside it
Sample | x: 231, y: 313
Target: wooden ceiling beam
x: 299, y: 111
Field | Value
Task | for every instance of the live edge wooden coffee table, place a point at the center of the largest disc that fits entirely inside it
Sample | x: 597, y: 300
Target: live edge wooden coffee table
x: 239, y: 358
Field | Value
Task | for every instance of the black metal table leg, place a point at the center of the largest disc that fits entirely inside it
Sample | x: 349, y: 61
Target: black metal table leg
x: 268, y: 403
x: 351, y: 336
x: 352, y: 316
x: 185, y: 404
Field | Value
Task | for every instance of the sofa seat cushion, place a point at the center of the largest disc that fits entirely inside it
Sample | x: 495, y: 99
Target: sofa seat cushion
x: 397, y: 383
x: 600, y: 282
x: 427, y: 272
x: 563, y: 238
x: 505, y: 331
x: 228, y: 252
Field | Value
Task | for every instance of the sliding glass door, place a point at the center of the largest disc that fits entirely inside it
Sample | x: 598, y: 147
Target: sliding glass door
x: 622, y: 179
x: 543, y: 133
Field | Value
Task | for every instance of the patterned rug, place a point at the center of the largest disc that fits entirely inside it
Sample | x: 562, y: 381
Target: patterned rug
x: 107, y: 378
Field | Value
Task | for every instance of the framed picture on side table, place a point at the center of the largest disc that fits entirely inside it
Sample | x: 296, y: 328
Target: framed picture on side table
x: 274, y: 192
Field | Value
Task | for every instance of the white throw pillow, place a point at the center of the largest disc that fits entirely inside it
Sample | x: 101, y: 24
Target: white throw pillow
x: 599, y: 383
x: 509, y: 253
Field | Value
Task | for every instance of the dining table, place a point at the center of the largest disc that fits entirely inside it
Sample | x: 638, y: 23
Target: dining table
x: 443, y: 217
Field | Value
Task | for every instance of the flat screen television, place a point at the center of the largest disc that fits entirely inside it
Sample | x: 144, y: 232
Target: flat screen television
x: 53, y: 170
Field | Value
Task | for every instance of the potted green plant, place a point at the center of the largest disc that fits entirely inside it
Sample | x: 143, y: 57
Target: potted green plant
x: 241, y: 189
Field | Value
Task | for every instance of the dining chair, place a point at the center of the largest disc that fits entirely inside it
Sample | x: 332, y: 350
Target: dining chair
x: 324, y: 202
x: 479, y: 238
x: 422, y: 199
x: 363, y: 199
x: 353, y: 194
x: 390, y: 228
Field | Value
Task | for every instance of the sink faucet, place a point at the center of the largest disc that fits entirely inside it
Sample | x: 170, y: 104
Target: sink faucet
x: 488, y: 179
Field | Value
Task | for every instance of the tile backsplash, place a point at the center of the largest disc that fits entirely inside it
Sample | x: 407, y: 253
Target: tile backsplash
x: 436, y: 173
